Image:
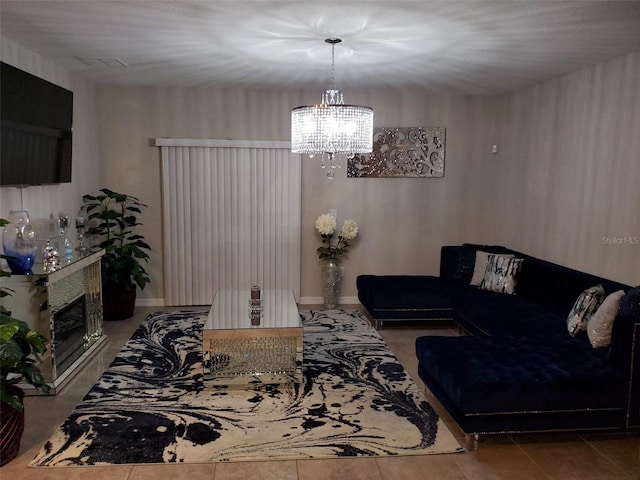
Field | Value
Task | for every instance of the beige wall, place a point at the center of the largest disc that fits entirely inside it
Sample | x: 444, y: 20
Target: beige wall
x: 564, y: 185
x: 567, y: 179
x: 41, y: 201
x: 403, y: 221
x: 566, y: 175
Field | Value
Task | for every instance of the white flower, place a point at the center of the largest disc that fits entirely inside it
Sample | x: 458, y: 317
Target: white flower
x: 349, y: 229
x: 326, y: 224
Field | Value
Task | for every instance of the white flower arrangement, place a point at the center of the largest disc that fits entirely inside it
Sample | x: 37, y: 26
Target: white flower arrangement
x: 326, y: 226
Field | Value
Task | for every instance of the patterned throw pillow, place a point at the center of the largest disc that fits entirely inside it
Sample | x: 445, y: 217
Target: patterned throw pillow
x: 601, y: 323
x: 586, y: 304
x: 480, y: 267
x: 501, y: 274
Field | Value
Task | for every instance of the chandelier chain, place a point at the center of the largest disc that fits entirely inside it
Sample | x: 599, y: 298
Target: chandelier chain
x: 333, y: 42
x: 333, y: 65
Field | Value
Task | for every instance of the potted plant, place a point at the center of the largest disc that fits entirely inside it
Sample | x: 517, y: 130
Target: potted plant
x: 113, y: 218
x: 20, y: 347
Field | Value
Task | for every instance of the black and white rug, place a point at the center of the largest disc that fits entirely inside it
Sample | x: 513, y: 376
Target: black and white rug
x: 150, y: 405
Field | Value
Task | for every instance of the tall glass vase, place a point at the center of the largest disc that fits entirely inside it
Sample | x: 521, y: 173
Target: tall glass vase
x: 19, y: 242
x: 331, y: 280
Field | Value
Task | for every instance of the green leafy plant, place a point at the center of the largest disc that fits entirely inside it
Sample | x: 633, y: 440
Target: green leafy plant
x: 20, y: 350
x: 115, y: 218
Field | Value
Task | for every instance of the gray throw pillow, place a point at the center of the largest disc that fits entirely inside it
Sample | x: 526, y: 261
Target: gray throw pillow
x: 501, y: 274
x: 585, y: 306
x: 480, y: 266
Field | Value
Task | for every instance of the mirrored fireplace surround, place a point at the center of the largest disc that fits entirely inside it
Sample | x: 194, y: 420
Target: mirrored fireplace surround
x: 65, y: 306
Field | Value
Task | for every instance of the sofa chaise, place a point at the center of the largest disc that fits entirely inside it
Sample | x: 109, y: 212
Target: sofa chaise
x: 519, y: 368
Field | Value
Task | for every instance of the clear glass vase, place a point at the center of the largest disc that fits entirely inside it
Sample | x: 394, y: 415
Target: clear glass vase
x: 19, y: 242
x: 331, y: 280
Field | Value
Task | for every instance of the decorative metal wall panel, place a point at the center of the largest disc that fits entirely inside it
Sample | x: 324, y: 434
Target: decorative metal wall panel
x: 402, y: 152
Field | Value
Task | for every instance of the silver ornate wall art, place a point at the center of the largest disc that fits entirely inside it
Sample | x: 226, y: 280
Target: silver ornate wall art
x: 417, y: 152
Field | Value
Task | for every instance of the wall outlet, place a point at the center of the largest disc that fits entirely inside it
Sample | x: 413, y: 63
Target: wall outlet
x: 334, y: 213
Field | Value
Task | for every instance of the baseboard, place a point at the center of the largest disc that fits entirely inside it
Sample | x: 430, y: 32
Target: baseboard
x: 150, y: 302
x: 320, y: 300
x: 159, y: 302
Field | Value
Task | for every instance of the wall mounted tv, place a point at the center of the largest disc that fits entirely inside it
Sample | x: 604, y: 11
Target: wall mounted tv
x: 37, y: 117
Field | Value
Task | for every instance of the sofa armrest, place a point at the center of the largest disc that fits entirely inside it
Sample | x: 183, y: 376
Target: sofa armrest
x: 368, y: 284
x: 407, y: 297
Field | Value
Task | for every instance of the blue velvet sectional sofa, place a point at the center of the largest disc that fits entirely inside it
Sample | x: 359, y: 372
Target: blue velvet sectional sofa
x: 518, y: 369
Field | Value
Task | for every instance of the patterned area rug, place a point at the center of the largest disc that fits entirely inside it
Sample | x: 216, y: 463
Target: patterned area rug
x: 150, y: 405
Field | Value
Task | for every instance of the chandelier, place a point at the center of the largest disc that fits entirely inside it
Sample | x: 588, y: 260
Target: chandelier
x: 331, y: 127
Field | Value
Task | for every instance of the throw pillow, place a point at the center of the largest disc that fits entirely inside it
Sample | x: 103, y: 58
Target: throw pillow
x: 586, y: 304
x: 501, y: 274
x: 480, y: 267
x: 601, y: 323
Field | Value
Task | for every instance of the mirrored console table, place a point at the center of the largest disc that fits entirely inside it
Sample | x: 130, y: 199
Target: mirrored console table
x: 65, y: 306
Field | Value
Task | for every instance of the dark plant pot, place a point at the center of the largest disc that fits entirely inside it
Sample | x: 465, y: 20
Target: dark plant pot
x: 11, y: 428
x: 118, y: 303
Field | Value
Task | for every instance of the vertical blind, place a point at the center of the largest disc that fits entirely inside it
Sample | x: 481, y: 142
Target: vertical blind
x: 231, y: 217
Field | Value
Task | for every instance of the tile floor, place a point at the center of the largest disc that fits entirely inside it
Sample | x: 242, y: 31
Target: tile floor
x: 513, y: 457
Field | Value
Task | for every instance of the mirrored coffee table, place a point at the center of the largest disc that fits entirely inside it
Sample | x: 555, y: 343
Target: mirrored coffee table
x: 237, y: 352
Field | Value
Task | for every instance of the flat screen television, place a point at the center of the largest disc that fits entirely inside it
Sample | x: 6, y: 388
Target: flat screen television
x: 37, y: 119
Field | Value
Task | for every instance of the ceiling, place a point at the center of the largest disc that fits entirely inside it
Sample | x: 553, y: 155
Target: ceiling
x: 476, y: 47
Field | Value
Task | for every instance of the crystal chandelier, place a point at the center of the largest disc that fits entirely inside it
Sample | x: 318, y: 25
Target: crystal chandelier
x: 331, y: 127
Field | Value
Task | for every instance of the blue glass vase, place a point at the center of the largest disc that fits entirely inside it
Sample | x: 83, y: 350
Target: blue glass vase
x: 19, y: 242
